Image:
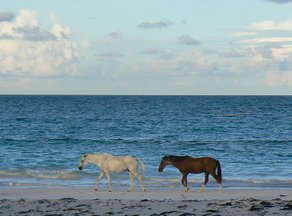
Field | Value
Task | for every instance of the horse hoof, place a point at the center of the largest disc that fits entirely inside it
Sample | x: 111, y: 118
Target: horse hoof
x: 110, y: 191
x: 95, y: 189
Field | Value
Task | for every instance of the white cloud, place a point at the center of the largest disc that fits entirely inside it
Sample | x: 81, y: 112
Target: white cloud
x: 276, y: 79
x: 27, y: 58
x: 110, y: 54
x: 282, y: 52
x: 232, y: 53
x: 245, y: 33
x: 171, y: 63
x: 272, y: 25
x: 273, y: 64
x: 269, y: 56
x: 61, y: 31
x: 27, y: 49
x: 267, y: 40
x: 280, y: 1
x: 256, y: 61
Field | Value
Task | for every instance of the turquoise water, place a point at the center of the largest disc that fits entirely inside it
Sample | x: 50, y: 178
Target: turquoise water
x: 43, y: 137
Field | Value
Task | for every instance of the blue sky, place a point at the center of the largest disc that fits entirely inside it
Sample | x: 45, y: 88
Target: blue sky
x: 146, y: 47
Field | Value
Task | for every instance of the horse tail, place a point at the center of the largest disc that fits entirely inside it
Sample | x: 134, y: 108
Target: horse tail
x: 219, y: 173
x: 142, y: 167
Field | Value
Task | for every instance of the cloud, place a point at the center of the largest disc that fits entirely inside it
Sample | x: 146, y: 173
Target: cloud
x: 232, y: 53
x: 255, y: 61
x: 272, y: 25
x: 152, y: 51
x: 272, y: 63
x: 5, y: 36
x: 152, y: 25
x: 245, y: 33
x: 29, y: 50
x: 179, y: 64
x: 114, y: 35
x: 188, y: 40
x: 26, y: 27
x: 276, y: 79
x: 34, y: 33
x: 27, y: 58
x: 280, y: 1
x: 110, y: 54
x: 267, y: 40
x: 6, y: 16
x: 61, y: 31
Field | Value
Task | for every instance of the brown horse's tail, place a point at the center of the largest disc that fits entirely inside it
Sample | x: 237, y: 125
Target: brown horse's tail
x: 219, y: 173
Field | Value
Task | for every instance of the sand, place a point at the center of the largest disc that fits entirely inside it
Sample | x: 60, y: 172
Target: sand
x: 86, y: 201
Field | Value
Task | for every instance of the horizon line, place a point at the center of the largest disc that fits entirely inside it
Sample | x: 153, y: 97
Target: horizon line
x: 145, y: 94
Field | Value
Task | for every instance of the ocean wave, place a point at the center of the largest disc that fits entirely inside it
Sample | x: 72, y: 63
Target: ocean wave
x: 30, y: 178
x: 55, y: 174
x: 137, y: 140
x: 228, y: 182
x: 236, y: 114
x: 75, y: 139
x: 25, y: 184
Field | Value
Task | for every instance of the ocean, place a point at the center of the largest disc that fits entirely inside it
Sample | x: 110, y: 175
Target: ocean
x: 43, y: 137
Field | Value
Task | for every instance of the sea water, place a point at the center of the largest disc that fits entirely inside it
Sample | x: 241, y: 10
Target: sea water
x: 43, y: 137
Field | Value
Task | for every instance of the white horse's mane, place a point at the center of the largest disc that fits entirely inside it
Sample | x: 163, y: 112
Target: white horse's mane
x: 95, y: 153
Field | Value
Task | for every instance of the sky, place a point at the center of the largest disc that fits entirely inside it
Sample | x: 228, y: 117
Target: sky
x: 153, y: 47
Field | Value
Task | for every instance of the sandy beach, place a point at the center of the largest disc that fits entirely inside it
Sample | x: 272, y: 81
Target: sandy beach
x: 86, y: 201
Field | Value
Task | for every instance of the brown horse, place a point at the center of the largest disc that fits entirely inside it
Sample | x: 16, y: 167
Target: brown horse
x: 187, y: 164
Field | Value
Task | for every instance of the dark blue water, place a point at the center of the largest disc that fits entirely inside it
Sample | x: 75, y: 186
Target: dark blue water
x: 43, y: 137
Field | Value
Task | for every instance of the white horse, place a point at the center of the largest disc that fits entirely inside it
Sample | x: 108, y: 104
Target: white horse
x: 109, y: 163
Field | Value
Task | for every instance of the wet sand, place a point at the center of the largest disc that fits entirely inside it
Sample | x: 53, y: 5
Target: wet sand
x: 86, y: 201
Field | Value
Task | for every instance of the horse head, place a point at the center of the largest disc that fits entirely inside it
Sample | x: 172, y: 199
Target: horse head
x: 164, y: 162
x: 83, y: 162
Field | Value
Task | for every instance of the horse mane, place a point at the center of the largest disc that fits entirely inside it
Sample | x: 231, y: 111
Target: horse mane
x: 105, y: 154
x: 97, y: 153
x: 177, y: 158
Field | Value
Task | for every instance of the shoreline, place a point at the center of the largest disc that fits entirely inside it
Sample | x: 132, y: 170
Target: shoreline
x: 86, y: 201
x: 83, y: 193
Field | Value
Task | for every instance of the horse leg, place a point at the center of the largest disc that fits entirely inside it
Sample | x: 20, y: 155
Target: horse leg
x: 205, y: 182
x: 220, y: 188
x: 109, y: 181
x: 140, y: 179
x: 98, y: 180
x: 184, y: 181
x: 132, y: 181
x: 220, y: 183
